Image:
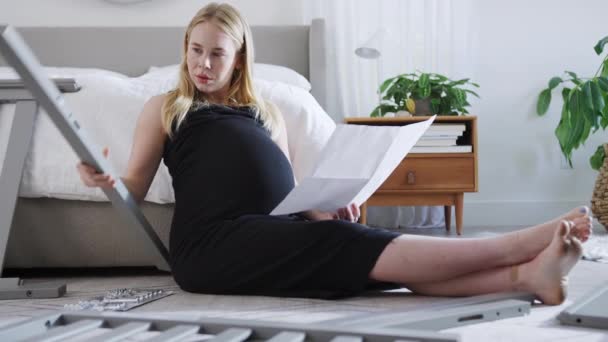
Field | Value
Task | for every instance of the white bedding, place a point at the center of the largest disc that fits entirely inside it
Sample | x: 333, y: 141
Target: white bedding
x: 107, y: 108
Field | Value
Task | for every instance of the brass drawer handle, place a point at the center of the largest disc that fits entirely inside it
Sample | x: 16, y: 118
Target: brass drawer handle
x: 411, y: 177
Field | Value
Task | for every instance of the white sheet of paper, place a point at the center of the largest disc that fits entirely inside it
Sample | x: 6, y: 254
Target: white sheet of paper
x: 355, y: 162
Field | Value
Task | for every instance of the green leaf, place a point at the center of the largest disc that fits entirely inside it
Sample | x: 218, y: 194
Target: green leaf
x: 440, y: 78
x: 424, y: 92
x: 386, y: 84
x: 565, y: 112
x: 576, y: 105
x: 472, y: 92
x: 575, y: 78
x: 544, y: 99
x: 572, y: 74
x: 599, y: 47
x: 554, y: 82
x: 460, y: 95
x: 424, y: 86
x: 605, y: 68
x: 578, y: 130
x: 435, y: 103
x: 562, y: 133
x: 603, y: 83
x: 383, y: 109
x: 587, y: 97
x: 604, y: 122
x: 375, y: 113
x: 585, y: 133
x: 566, y: 94
x: 598, y: 158
x: 598, y: 99
x: 423, y: 81
x: 588, y: 106
x: 577, y: 122
x: 459, y: 82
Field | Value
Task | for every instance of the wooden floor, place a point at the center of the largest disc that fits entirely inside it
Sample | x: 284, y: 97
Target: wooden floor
x: 540, y: 325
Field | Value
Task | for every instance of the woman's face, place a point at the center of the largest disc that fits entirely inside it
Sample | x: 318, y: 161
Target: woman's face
x: 211, y: 59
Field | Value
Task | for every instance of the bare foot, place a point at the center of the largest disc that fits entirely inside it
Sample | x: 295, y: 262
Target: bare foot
x: 523, y: 250
x: 546, y: 274
x: 582, y: 227
x: 576, y: 212
x: 581, y: 222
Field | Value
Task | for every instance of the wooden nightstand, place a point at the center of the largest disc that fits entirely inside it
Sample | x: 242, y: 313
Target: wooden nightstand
x: 428, y: 178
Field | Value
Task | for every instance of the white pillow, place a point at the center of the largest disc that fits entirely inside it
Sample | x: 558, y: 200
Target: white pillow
x: 107, y: 107
x: 267, y: 72
x: 271, y: 72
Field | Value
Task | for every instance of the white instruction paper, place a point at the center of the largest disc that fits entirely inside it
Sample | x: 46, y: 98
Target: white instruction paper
x: 355, y: 162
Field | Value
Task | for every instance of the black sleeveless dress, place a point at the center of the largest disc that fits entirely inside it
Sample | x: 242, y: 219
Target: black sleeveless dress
x: 228, y: 175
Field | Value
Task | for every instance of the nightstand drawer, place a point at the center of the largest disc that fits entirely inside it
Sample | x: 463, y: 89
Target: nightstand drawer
x: 455, y: 173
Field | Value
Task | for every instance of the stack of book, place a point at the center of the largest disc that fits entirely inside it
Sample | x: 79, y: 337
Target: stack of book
x: 442, y: 138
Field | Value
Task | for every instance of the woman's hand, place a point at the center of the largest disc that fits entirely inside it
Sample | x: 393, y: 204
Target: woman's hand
x: 91, y: 178
x: 350, y: 213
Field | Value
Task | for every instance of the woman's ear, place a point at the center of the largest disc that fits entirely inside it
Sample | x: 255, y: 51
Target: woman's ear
x: 239, y: 61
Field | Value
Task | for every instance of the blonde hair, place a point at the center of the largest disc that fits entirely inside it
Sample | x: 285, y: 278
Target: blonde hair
x: 179, y: 100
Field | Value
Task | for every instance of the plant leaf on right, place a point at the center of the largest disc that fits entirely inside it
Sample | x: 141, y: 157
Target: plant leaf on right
x: 585, y: 108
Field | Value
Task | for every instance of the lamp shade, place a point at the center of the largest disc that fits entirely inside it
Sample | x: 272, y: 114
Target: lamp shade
x: 372, y: 48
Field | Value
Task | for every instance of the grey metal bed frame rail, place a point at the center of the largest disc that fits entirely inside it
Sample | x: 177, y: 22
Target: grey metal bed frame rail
x: 420, y: 324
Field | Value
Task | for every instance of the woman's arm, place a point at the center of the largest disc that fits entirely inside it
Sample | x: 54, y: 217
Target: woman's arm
x: 147, y: 149
x: 146, y: 154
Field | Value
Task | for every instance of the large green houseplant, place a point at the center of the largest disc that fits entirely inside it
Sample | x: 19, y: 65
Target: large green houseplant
x: 434, y: 92
x: 585, y: 108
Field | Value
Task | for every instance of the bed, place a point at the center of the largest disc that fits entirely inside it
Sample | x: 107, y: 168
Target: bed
x: 60, y: 223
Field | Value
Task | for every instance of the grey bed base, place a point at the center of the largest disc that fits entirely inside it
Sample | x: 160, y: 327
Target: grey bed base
x: 68, y: 233
x: 50, y: 232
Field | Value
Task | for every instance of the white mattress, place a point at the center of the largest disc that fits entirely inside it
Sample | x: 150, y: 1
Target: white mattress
x: 107, y: 108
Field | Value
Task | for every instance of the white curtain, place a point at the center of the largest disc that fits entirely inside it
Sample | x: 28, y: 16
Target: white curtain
x: 426, y: 35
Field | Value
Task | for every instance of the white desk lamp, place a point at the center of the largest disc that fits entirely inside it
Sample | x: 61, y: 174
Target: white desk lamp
x: 372, y: 49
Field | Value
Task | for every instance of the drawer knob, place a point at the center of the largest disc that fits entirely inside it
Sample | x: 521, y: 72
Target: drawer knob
x: 411, y: 177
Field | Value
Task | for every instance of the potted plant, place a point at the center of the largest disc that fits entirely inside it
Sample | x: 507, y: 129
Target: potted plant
x: 424, y: 94
x: 584, y: 110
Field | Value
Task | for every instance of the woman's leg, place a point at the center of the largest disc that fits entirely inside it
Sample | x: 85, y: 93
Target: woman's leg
x: 429, y: 259
x: 545, y: 275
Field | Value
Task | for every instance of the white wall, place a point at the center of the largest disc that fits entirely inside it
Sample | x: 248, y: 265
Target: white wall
x: 521, y: 45
x: 151, y: 13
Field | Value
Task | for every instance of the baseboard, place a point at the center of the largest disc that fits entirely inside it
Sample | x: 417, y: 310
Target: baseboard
x: 514, y: 213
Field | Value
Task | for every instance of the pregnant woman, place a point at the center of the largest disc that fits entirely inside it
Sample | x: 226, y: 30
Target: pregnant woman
x: 226, y: 150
